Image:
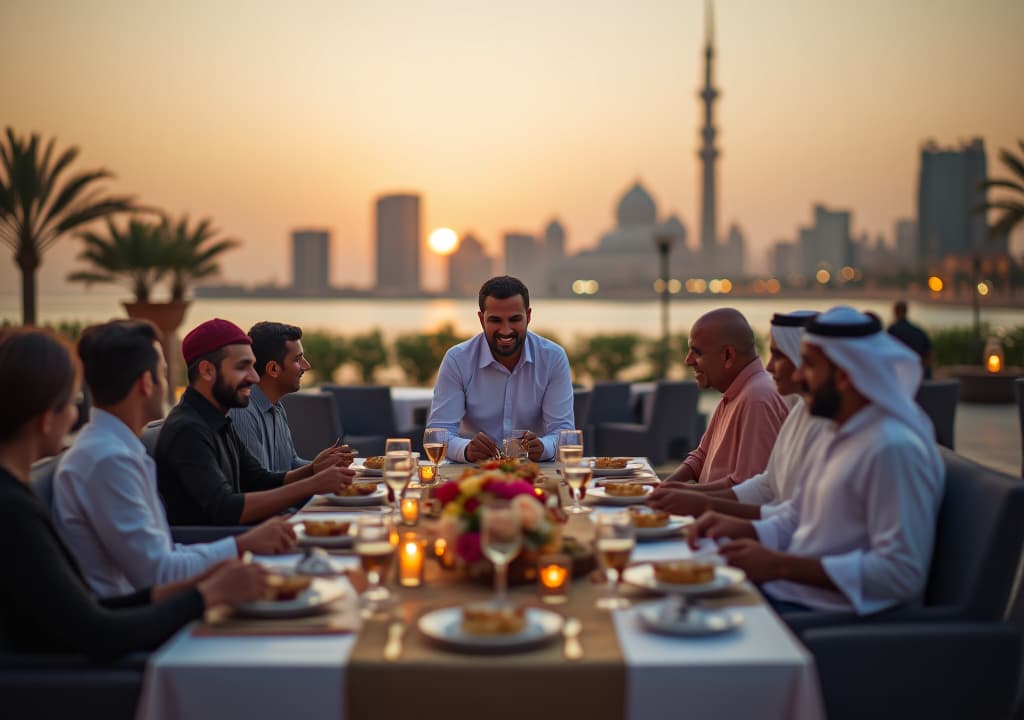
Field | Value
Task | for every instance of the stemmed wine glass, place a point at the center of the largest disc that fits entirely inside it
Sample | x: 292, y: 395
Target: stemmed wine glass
x: 570, y: 445
x: 395, y: 445
x: 615, y: 539
x: 375, y: 544
x: 398, y: 467
x: 501, y: 537
x: 577, y: 473
x: 435, y: 445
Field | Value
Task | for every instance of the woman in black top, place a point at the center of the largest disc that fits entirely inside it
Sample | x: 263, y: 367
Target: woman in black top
x: 45, y: 603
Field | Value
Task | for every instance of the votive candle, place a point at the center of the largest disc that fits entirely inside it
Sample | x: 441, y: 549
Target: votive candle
x: 554, y: 573
x: 426, y: 474
x: 410, y: 509
x: 410, y: 560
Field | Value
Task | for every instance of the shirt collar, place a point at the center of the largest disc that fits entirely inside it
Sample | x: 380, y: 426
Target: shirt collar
x: 485, y: 357
x: 739, y: 382
x: 210, y: 415
x: 259, y: 400
x: 113, y: 425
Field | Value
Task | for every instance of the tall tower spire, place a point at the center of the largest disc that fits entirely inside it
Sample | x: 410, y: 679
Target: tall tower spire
x: 708, y: 153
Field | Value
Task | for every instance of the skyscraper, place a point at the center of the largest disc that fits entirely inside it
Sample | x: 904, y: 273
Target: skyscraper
x: 708, y: 154
x: 468, y: 267
x: 949, y: 190
x: 828, y: 243
x: 398, y: 244
x: 524, y: 259
x: 311, y: 261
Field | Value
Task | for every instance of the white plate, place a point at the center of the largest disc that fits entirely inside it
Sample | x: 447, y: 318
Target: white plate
x: 375, y: 498
x: 643, y: 576
x: 674, y: 525
x: 444, y: 626
x: 330, y: 541
x: 696, y: 622
x: 597, y: 494
x: 367, y: 472
x: 632, y: 468
x: 312, y: 600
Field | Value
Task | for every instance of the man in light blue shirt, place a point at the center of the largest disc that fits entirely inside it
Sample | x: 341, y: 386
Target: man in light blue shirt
x: 106, y: 503
x: 504, y: 379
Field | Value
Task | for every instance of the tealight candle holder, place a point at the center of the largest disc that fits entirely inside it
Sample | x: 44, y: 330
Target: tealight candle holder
x: 412, y: 550
x: 427, y: 476
x: 444, y: 554
x: 554, y: 573
x: 410, y: 509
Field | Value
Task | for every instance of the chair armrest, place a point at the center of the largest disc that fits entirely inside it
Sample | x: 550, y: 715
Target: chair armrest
x: 932, y: 670
x: 192, y: 534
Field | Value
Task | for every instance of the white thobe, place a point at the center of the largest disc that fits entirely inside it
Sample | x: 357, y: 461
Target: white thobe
x: 868, y: 511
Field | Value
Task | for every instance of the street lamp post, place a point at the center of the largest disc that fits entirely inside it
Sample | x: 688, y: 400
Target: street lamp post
x: 663, y: 243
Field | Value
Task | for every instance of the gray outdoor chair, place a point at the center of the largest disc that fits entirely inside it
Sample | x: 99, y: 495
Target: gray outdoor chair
x: 150, y: 433
x: 669, y: 420
x: 609, y: 402
x: 1019, y: 385
x: 313, y: 421
x: 955, y: 656
x: 938, y: 398
x: 368, y: 417
x: 581, y: 407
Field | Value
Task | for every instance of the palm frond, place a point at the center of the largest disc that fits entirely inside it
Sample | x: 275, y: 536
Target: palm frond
x: 1015, y: 164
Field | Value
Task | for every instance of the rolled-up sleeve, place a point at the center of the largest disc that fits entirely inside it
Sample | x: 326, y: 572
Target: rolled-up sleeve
x: 558, y: 405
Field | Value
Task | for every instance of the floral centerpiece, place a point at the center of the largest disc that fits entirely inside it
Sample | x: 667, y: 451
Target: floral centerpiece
x: 505, y: 479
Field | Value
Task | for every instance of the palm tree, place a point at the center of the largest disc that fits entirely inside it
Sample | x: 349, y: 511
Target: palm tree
x: 1013, y: 206
x: 136, y: 255
x: 39, y: 204
x: 192, y: 252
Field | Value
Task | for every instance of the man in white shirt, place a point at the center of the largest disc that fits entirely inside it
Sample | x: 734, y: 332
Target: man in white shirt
x: 859, y: 534
x: 504, y: 379
x: 105, y: 494
x: 801, y: 439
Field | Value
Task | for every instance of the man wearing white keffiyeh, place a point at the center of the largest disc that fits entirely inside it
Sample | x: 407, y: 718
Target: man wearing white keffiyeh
x: 859, y: 534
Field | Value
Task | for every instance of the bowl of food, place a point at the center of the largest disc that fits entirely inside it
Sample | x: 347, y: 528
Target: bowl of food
x: 326, y: 528
x: 644, y: 517
x: 683, y: 572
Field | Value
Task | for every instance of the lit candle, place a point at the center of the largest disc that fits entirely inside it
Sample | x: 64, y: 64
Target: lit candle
x: 553, y: 571
x: 994, y: 363
x: 410, y: 510
x: 426, y: 474
x: 410, y: 560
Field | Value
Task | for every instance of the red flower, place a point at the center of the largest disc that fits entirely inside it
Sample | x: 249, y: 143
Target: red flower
x: 468, y: 547
x: 447, y: 492
x: 508, y: 490
x: 471, y: 504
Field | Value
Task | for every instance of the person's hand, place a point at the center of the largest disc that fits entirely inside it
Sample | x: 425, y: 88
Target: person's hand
x: 758, y: 562
x: 270, y: 537
x: 233, y: 582
x: 481, y: 448
x: 332, y: 479
x: 678, y: 501
x: 334, y: 455
x: 715, y: 525
x: 533, y: 445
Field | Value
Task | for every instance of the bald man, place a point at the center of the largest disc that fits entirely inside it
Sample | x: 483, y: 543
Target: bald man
x: 743, y: 428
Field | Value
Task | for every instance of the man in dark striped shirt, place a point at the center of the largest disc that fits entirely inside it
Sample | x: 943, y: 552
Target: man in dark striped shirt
x: 263, y: 423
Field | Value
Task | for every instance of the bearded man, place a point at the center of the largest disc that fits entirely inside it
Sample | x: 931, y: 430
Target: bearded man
x: 205, y: 473
x: 504, y: 379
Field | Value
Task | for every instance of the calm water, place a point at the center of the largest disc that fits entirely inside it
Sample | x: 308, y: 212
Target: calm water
x: 564, y: 318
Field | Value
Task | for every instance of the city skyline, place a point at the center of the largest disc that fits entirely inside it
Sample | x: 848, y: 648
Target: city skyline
x: 502, y: 119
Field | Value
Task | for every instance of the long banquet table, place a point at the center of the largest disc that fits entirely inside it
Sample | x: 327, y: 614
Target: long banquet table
x: 760, y: 670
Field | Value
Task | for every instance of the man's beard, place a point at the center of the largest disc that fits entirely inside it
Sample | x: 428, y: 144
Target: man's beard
x: 230, y: 397
x: 825, y: 400
x: 505, y: 352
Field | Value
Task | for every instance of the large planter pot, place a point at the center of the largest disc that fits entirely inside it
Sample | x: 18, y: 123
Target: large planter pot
x: 167, y: 317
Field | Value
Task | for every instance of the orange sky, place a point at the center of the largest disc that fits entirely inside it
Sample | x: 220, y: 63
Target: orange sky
x: 269, y: 116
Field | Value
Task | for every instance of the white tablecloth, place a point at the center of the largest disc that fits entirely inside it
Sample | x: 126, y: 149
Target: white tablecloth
x: 758, y: 671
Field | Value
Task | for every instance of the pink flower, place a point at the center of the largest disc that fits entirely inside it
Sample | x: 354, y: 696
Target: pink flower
x: 531, y: 512
x: 508, y: 490
x: 447, y: 492
x: 468, y: 547
x: 471, y: 504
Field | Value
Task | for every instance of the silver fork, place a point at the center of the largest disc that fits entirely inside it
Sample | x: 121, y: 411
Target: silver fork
x: 393, y: 646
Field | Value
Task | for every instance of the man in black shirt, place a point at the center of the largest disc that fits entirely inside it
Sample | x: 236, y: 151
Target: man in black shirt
x: 912, y: 336
x: 205, y: 474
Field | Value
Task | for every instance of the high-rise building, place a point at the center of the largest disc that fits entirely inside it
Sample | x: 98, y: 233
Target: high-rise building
x: 827, y: 244
x: 554, y: 253
x: 732, y: 255
x: 905, y: 251
x: 468, y: 267
x: 311, y: 261
x: 949, y: 191
x: 524, y: 259
x: 708, y: 154
x: 398, y: 244
x: 784, y: 260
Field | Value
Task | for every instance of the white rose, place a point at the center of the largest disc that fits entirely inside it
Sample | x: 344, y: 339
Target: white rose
x: 531, y: 512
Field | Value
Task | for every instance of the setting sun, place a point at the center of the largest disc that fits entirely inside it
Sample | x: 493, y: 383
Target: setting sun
x: 443, y: 241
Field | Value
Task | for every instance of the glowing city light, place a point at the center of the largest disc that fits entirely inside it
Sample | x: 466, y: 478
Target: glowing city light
x: 983, y: 288
x: 823, y: 276
x: 935, y: 283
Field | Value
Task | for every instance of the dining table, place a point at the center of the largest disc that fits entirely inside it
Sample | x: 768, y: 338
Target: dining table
x: 342, y: 667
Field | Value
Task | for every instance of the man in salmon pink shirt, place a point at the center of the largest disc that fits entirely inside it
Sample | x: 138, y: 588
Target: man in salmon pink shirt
x: 742, y: 430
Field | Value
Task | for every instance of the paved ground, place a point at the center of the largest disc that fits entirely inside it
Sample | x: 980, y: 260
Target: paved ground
x: 987, y: 434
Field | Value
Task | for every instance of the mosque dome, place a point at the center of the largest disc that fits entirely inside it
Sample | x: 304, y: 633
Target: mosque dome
x: 674, y: 228
x: 636, y: 208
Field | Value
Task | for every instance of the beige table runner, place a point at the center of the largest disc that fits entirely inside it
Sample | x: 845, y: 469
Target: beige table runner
x: 341, y: 618
x: 429, y: 682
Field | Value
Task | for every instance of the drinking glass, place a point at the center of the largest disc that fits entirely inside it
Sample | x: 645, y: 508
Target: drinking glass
x: 398, y: 468
x: 515, y: 447
x: 570, y: 445
x: 375, y: 545
x: 578, y: 473
x: 614, y: 540
x: 435, y: 445
x: 501, y: 537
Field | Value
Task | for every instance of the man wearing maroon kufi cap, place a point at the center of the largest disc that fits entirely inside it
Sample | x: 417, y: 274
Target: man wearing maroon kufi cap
x: 205, y: 474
